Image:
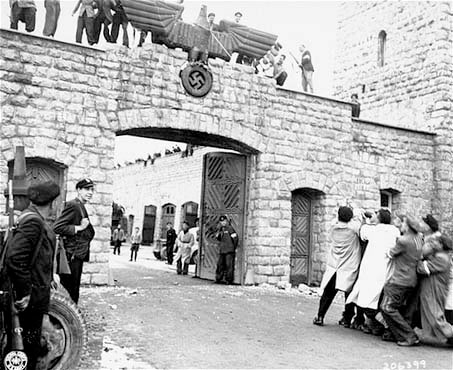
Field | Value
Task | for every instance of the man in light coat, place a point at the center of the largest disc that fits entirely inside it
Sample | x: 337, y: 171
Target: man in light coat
x: 343, y: 263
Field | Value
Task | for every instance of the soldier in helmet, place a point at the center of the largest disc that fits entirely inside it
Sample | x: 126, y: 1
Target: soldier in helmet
x: 29, y: 263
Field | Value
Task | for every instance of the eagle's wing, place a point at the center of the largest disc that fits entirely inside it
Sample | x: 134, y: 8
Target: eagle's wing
x: 156, y: 16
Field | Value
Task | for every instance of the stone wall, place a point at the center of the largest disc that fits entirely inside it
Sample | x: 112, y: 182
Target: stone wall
x: 67, y: 102
x: 413, y: 87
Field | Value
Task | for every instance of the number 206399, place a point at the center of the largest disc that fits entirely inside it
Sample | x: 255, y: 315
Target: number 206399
x: 403, y: 365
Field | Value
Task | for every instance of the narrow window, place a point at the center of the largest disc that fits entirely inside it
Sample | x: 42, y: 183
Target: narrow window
x: 381, y: 48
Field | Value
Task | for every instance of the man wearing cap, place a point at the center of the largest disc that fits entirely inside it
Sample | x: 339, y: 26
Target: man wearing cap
x: 228, y: 241
x: 77, y: 232
x: 212, y: 25
x: 29, y: 262
x: 401, y: 283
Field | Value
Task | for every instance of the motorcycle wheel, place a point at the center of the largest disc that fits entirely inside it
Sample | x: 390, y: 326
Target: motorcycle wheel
x: 64, y: 333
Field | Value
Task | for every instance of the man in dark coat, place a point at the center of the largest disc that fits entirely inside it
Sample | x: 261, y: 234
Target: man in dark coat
x: 77, y: 232
x: 29, y: 263
x: 228, y: 240
x: 170, y: 242
x: 355, y: 105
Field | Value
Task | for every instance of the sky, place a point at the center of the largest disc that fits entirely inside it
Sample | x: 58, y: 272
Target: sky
x: 312, y: 23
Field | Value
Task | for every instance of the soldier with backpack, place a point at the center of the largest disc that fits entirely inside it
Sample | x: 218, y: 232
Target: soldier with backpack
x: 29, y: 265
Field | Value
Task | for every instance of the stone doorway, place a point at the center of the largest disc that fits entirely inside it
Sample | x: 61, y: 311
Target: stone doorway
x: 41, y: 169
x: 306, y: 209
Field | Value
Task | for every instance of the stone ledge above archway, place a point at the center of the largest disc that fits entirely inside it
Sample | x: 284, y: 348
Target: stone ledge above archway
x: 186, y: 126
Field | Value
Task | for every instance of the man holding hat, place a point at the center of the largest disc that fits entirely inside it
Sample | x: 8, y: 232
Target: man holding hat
x: 228, y: 241
x: 77, y: 232
x: 29, y: 262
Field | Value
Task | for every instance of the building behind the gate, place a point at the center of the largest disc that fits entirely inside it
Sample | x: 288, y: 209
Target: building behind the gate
x: 65, y: 103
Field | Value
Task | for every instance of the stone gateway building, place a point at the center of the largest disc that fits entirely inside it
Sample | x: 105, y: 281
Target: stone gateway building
x: 296, y: 157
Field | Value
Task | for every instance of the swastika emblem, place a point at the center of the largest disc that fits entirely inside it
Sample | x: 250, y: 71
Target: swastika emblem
x: 196, y: 80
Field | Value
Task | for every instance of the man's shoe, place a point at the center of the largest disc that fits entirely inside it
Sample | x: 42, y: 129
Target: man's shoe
x: 130, y: 260
x: 388, y: 336
x: 344, y: 322
x: 318, y: 321
x: 408, y: 343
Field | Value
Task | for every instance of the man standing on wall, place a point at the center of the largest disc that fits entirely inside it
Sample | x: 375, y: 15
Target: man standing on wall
x: 355, y: 105
x: 228, y: 239
x: 170, y: 242
x: 77, y: 232
x: 25, y: 11
x: 118, y: 238
x: 307, y: 69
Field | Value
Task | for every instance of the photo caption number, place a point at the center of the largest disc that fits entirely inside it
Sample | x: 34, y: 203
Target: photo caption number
x: 416, y: 364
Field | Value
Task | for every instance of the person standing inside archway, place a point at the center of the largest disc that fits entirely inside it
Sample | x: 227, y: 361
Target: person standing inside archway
x: 184, y: 242
x: 75, y: 228
x: 136, y: 240
x: 228, y: 241
x: 118, y: 238
x: 170, y: 242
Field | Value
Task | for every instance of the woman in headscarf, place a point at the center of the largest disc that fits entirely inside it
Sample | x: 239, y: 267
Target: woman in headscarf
x: 435, y: 270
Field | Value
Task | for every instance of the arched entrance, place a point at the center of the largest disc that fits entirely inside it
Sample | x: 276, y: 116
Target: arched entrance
x: 305, y: 207
x: 189, y: 213
x: 42, y: 169
x: 149, y: 224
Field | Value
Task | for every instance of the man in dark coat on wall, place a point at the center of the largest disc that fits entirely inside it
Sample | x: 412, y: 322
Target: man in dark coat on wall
x: 77, y: 232
x: 29, y: 264
x: 228, y: 241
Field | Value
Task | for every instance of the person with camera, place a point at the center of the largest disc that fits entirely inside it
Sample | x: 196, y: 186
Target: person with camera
x: 228, y: 241
x: 29, y: 265
x: 75, y: 228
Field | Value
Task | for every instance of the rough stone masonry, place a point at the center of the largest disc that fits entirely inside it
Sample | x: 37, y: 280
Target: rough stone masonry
x: 67, y: 102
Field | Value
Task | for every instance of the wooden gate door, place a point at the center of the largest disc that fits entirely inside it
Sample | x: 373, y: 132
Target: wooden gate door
x: 149, y: 222
x: 39, y: 170
x: 300, y: 239
x: 223, y: 193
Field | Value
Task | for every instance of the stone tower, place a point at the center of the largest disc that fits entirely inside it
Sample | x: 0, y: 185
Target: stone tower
x: 398, y: 56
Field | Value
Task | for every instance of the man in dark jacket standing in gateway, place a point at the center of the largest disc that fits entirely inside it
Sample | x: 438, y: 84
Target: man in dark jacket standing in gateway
x: 29, y: 262
x: 77, y: 232
x: 170, y: 242
x: 228, y: 239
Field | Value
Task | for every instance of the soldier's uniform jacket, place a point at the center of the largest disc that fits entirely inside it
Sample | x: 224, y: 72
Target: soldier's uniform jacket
x: 171, y: 237
x: 75, y: 244
x: 27, y: 278
x: 228, y: 239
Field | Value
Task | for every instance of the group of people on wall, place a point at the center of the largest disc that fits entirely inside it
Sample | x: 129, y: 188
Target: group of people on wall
x: 396, y: 272
x: 95, y: 17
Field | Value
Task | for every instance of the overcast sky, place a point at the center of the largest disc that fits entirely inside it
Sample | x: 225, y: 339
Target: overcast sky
x: 310, y: 22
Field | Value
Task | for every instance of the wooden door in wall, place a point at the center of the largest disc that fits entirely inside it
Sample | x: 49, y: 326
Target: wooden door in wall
x: 40, y: 170
x: 223, y: 193
x: 301, y: 210
x: 149, y: 223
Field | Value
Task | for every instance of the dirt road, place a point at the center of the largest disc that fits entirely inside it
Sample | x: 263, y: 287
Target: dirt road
x: 154, y: 318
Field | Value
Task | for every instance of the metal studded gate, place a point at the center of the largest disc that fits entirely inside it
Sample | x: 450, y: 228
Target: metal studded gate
x: 223, y: 193
x: 301, y: 207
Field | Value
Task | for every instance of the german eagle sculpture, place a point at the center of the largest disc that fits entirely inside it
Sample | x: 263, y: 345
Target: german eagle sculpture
x: 164, y: 21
